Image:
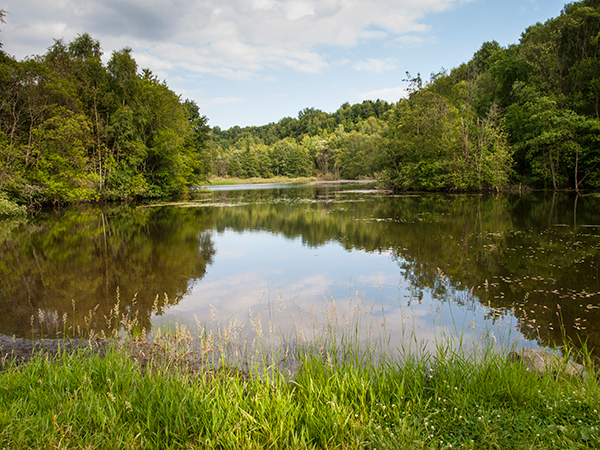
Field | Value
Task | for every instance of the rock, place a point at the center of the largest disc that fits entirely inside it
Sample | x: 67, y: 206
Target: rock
x: 542, y: 361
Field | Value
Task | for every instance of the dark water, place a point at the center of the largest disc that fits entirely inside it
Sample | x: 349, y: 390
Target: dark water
x: 519, y: 266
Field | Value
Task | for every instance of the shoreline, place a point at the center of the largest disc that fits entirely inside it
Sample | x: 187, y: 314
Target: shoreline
x: 338, y: 398
x: 218, y: 181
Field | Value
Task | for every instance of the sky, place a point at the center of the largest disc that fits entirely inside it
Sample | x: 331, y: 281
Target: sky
x: 252, y: 62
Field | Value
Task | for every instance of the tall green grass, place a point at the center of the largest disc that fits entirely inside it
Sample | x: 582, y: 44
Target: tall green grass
x: 331, y: 388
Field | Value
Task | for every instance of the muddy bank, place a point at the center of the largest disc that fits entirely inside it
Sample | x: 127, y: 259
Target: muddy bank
x: 20, y: 351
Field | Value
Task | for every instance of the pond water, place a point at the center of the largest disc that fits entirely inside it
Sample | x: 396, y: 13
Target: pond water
x: 288, y: 260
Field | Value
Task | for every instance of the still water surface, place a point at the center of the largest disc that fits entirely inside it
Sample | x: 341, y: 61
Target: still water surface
x: 510, y: 267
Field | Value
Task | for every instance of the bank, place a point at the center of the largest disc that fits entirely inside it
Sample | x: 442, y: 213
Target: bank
x: 168, y: 395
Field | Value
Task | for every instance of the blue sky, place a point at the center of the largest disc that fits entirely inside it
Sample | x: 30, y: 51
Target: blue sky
x: 251, y: 62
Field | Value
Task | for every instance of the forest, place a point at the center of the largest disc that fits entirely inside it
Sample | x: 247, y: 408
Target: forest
x: 528, y: 114
x: 73, y: 129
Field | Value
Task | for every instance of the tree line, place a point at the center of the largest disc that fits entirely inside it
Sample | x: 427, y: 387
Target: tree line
x: 344, y: 144
x: 73, y: 129
x: 526, y: 114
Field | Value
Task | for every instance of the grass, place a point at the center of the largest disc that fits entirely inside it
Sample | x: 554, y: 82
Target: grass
x: 340, y: 394
x: 226, y: 181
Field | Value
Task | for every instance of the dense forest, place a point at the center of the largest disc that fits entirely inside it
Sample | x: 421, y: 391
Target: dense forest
x: 73, y: 129
x: 527, y: 114
x: 346, y: 144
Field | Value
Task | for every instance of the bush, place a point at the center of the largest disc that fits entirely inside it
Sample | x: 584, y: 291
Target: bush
x: 10, y: 209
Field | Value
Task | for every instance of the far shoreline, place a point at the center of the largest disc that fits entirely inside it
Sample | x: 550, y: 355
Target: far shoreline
x: 220, y: 181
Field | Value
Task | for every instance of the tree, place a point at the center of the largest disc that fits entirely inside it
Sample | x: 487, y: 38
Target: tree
x: 2, y: 15
x: 60, y: 161
x: 438, y: 141
x: 74, y: 130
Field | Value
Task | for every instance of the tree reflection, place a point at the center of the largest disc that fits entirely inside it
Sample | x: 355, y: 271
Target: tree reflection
x: 64, y: 272
x: 534, y: 256
x: 518, y: 255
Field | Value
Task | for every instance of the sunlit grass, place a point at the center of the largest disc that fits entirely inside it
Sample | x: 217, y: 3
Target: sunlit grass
x: 333, y: 383
x: 216, y: 181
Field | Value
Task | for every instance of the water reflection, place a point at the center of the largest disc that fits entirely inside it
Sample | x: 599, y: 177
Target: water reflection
x: 515, y: 265
x: 64, y: 272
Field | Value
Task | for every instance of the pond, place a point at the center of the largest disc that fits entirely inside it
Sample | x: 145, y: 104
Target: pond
x: 291, y: 260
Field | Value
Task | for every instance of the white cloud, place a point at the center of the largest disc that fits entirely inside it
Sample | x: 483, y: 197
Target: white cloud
x: 376, y: 65
x: 295, y: 9
x: 264, y: 4
x: 390, y: 94
x: 227, y: 38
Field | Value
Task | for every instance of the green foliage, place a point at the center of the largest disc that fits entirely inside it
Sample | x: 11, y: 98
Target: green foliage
x: 73, y: 129
x: 60, y: 167
x: 10, y: 209
x: 528, y: 114
x: 535, y: 103
x: 437, y: 141
x: 347, y: 143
